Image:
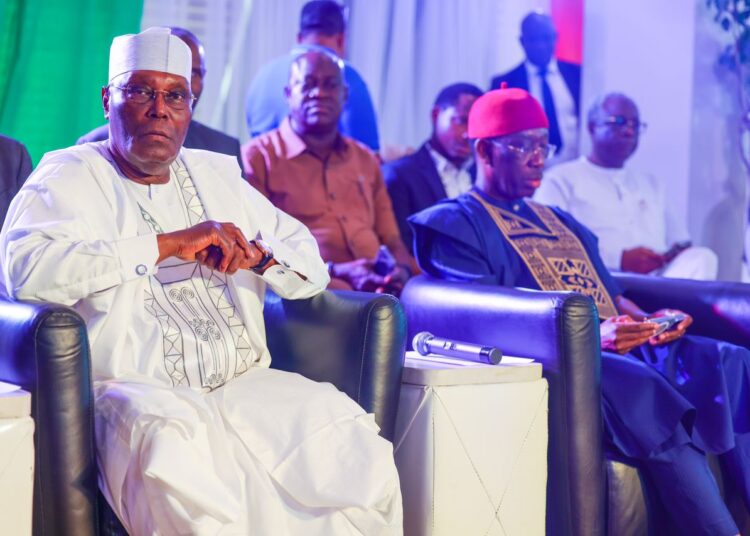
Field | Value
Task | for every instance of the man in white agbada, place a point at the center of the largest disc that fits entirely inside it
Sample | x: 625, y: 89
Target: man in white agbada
x: 629, y: 211
x: 195, y: 434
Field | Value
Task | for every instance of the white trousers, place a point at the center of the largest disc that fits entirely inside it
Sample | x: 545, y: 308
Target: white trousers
x: 269, y: 453
x: 695, y: 262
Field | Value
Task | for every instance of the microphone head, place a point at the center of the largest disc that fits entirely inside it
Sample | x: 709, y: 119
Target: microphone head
x: 495, y: 355
x: 419, y: 342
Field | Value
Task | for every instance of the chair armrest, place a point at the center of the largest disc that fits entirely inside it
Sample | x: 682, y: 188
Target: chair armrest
x: 720, y: 309
x: 560, y: 330
x: 44, y: 349
x: 355, y: 340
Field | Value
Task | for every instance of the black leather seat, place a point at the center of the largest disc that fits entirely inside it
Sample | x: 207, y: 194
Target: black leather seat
x: 354, y: 340
x: 585, y: 495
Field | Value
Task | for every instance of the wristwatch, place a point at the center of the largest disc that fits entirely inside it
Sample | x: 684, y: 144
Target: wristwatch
x: 267, y: 252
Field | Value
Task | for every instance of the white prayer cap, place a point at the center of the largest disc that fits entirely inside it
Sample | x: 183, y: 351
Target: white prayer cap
x: 154, y: 49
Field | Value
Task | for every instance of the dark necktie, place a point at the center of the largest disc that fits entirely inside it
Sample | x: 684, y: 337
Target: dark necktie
x: 549, y: 109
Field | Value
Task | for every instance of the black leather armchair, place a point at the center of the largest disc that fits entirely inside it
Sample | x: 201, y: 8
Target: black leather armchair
x: 354, y: 340
x: 561, y: 330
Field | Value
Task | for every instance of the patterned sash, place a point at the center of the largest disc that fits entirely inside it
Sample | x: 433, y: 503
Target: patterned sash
x: 555, y: 257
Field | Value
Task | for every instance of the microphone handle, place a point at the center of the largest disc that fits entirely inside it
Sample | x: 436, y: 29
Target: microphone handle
x: 466, y: 351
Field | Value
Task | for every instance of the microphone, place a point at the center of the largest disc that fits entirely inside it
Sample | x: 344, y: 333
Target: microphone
x: 426, y: 343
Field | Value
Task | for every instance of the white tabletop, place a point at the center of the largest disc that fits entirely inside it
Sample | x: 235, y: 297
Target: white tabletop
x: 438, y: 370
x: 14, y: 401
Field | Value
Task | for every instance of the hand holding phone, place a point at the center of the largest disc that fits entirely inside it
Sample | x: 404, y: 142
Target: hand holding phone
x: 666, y: 322
x: 385, y: 262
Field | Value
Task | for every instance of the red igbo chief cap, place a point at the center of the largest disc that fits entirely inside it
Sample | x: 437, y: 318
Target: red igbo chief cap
x: 505, y: 111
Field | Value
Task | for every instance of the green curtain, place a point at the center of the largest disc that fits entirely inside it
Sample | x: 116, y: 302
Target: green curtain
x: 53, y: 63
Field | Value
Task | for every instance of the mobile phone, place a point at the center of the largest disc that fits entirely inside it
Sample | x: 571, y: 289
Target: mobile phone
x: 385, y: 262
x: 676, y: 249
x: 665, y: 322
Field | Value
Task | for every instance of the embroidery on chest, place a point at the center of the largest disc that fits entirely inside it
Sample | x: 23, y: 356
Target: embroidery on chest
x: 204, y: 338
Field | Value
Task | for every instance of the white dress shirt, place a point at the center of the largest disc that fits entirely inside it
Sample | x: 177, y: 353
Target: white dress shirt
x: 623, y: 207
x: 456, y: 181
x: 565, y: 106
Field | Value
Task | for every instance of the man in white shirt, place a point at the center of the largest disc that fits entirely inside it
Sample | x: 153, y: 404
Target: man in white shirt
x: 443, y: 167
x: 555, y: 84
x: 625, y: 208
x: 194, y: 433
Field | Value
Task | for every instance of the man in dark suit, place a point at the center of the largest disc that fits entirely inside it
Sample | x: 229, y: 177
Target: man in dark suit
x: 443, y: 167
x: 199, y: 136
x: 15, y: 166
x: 555, y: 84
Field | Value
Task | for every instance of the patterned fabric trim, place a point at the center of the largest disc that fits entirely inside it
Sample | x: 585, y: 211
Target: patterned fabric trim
x: 184, y: 294
x: 555, y: 256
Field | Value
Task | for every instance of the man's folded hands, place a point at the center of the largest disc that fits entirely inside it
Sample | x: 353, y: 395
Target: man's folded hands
x: 220, y: 246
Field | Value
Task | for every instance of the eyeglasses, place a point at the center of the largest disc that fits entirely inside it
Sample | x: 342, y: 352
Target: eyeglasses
x: 175, y: 99
x: 619, y: 122
x: 547, y: 150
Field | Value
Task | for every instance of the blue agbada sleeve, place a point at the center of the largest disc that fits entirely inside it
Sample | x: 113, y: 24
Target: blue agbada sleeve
x: 591, y: 244
x: 448, y: 246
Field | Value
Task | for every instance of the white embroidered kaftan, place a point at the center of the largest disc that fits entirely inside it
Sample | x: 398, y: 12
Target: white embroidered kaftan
x: 195, y: 435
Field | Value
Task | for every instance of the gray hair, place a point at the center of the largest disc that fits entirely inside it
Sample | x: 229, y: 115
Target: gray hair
x: 598, y: 105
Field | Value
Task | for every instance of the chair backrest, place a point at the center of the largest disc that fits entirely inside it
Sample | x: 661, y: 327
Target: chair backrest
x: 560, y: 330
x: 355, y: 340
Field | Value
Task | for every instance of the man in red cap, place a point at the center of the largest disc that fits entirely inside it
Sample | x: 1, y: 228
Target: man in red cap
x: 494, y: 235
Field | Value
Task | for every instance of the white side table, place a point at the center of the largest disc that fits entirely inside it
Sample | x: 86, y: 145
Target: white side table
x: 16, y: 460
x: 471, y: 448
